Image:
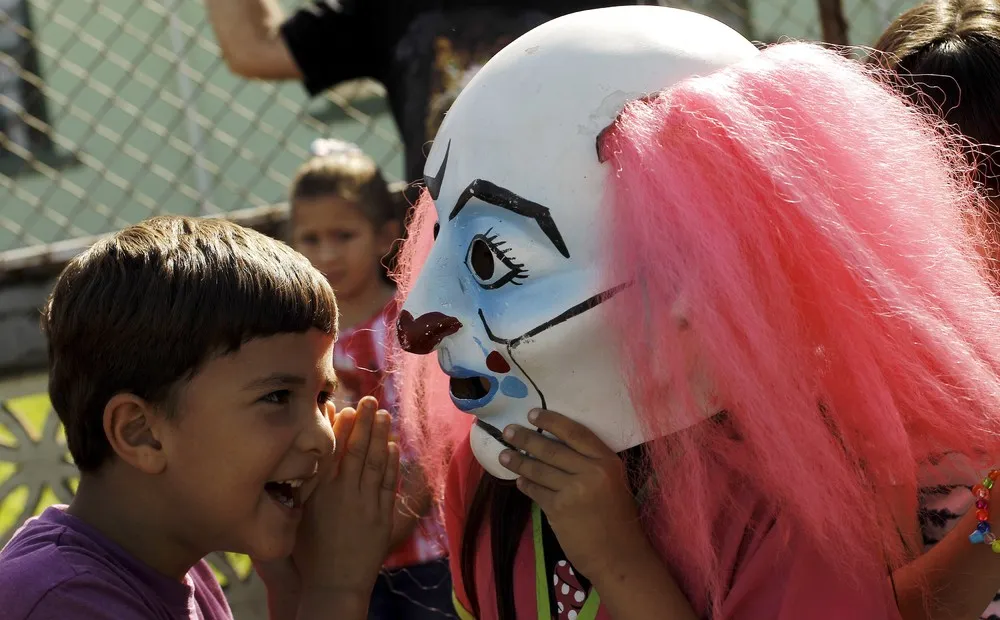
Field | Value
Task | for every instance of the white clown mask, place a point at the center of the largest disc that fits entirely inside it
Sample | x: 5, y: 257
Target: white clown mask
x: 512, y: 294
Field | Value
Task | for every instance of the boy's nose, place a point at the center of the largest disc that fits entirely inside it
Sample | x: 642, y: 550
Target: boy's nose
x: 318, y: 437
x: 423, y: 334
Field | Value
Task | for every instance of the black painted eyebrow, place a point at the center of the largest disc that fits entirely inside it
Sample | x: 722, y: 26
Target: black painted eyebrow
x: 497, y: 196
x: 434, y: 183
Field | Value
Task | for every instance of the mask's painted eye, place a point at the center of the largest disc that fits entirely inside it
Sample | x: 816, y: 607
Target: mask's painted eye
x: 437, y: 229
x: 481, y: 260
x: 491, y: 264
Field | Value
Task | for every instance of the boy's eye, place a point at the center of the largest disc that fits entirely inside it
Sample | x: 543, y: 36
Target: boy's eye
x: 324, y: 398
x: 279, y: 397
x: 309, y: 239
x: 344, y: 236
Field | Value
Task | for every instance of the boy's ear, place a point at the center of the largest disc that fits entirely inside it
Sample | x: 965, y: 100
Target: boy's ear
x: 131, y: 429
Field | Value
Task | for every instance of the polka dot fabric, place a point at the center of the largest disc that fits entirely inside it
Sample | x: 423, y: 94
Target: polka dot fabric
x: 569, y: 594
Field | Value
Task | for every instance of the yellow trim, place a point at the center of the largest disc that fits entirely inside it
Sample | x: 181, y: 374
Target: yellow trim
x: 463, y: 614
x: 541, y: 579
x: 593, y: 602
x: 590, y: 607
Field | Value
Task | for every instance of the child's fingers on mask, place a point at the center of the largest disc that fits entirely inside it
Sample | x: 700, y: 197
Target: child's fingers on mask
x: 545, y: 449
x: 575, y: 435
x: 352, y: 461
x: 387, y: 497
x: 539, y: 494
x: 378, y: 451
x: 537, y: 471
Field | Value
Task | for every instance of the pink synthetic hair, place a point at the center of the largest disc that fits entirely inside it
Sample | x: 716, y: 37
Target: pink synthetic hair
x: 431, y: 423
x: 798, y: 235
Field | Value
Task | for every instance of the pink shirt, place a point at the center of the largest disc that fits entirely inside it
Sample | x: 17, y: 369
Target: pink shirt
x: 773, y: 576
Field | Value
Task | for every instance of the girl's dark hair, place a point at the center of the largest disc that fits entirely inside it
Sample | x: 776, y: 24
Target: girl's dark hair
x: 349, y: 174
x: 945, y: 55
x: 508, y: 512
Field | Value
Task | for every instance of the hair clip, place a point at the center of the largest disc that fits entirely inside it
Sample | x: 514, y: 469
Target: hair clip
x: 325, y: 147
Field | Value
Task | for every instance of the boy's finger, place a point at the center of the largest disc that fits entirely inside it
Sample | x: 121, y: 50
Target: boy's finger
x: 352, y: 461
x: 378, y: 452
x: 331, y: 418
x: 343, y: 422
x: 387, y: 497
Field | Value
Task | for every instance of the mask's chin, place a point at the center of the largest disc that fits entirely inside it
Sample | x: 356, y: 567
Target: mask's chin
x: 487, y: 451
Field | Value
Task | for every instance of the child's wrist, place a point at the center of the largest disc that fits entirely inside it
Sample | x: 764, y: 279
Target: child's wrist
x: 317, y: 602
x: 633, y: 555
x: 282, y: 605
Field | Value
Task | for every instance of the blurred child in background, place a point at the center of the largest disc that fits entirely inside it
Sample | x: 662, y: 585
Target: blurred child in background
x: 344, y: 220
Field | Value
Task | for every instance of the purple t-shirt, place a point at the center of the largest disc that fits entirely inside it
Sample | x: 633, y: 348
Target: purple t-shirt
x: 58, y: 567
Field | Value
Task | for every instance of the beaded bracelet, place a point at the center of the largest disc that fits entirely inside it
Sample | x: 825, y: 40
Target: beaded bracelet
x: 982, y: 533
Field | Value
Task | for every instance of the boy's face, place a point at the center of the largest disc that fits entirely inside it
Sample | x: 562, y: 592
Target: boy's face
x: 339, y: 241
x: 245, y: 422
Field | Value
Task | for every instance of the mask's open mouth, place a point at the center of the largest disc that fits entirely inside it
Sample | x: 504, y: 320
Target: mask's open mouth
x: 285, y: 492
x: 470, y: 388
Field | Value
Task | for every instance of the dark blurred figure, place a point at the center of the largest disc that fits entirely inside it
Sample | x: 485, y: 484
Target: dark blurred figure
x: 423, y: 52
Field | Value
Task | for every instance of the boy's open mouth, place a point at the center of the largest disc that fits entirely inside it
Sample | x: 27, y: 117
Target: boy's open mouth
x: 285, y: 492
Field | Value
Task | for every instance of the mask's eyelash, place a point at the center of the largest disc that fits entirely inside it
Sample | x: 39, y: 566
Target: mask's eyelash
x: 498, y: 245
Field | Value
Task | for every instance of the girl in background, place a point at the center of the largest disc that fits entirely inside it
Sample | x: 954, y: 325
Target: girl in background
x: 344, y: 220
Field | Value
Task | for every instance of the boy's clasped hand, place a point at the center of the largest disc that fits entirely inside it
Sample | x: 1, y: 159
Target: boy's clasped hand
x: 344, y: 535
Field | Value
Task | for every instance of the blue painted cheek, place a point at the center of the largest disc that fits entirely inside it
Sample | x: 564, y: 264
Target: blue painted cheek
x: 513, y: 387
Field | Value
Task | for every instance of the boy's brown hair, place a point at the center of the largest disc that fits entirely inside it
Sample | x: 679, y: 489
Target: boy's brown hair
x: 144, y: 308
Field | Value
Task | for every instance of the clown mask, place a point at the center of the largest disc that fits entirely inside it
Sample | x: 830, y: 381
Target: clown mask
x: 511, y: 297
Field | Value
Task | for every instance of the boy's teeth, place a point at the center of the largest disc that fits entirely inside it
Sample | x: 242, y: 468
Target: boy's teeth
x: 296, y: 483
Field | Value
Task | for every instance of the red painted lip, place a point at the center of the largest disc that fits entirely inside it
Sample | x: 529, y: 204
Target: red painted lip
x: 422, y: 334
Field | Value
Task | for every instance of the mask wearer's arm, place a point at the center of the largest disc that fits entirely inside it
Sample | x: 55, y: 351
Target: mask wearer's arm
x: 248, y: 34
x: 955, y: 580
x: 642, y: 588
x: 326, y: 605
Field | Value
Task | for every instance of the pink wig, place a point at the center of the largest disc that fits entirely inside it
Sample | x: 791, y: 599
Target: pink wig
x: 431, y: 422
x: 796, y: 233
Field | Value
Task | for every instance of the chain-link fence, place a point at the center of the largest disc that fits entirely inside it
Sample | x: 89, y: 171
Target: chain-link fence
x: 113, y: 110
